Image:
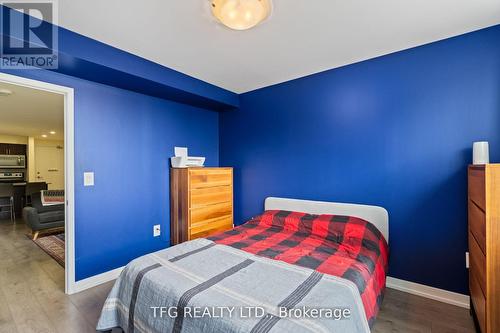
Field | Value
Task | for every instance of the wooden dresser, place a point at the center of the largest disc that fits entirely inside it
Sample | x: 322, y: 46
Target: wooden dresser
x: 201, y: 202
x: 484, y: 245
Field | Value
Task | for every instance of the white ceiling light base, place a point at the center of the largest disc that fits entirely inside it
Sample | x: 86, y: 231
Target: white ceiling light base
x: 241, y: 14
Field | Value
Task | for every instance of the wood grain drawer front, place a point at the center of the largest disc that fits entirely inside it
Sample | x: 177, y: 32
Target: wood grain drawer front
x: 200, y: 178
x: 478, y: 300
x: 477, y: 187
x: 211, y: 212
x: 210, y: 232
x: 477, y: 262
x: 477, y: 225
x: 200, y: 197
x: 206, y: 228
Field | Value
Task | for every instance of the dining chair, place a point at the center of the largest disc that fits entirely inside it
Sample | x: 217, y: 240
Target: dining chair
x: 7, y: 192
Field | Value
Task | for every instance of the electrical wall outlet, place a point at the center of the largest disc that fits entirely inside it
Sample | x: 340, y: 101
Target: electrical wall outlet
x: 156, y: 230
x: 466, y: 259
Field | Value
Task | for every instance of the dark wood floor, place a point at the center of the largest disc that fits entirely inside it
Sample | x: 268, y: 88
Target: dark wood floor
x: 402, y: 312
x: 32, y: 297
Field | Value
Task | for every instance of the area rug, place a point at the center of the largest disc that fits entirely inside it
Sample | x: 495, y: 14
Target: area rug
x: 53, y: 245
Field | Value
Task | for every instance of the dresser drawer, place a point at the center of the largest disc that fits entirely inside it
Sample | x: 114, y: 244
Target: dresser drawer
x: 478, y: 300
x: 477, y: 262
x: 209, y: 227
x: 201, y: 202
x: 477, y: 225
x: 200, y: 197
x: 211, y: 212
x: 200, y: 178
x: 477, y: 187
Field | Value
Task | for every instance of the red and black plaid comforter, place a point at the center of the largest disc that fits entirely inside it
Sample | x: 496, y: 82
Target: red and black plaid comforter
x: 343, y: 246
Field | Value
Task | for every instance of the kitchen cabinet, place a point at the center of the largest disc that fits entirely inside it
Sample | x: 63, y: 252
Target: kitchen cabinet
x: 4, y: 149
x: 12, y: 149
x: 16, y: 149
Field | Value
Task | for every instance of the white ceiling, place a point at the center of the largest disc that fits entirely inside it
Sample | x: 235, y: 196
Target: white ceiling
x: 31, y: 112
x: 302, y: 36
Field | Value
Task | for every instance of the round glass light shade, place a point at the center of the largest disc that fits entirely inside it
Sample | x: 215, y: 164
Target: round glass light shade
x: 241, y: 14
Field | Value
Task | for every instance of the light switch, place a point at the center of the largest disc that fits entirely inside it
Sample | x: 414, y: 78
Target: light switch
x: 88, y: 179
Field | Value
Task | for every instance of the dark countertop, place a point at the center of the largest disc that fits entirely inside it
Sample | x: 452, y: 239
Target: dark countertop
x: 14, y: 182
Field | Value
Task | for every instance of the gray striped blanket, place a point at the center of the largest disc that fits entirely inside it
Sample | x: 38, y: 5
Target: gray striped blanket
x: 199, y: 286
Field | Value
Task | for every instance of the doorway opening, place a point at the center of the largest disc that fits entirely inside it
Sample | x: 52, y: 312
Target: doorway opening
x: 37, y: 176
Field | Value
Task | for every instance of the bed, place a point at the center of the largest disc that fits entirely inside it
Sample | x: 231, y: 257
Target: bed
x: 300, y: 266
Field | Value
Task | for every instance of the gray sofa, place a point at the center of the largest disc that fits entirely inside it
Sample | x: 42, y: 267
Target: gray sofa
x: 42, y: 218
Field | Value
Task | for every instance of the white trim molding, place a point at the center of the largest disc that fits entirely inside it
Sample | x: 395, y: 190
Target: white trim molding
x: 69, y: 166
x: 409, y: 287
x: 413, y: 288
x: 437, y: 294
x: 98, y: 279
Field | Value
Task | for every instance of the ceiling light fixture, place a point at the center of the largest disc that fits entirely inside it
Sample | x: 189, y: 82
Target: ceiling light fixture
x: 241, y: 14
x: 5, y: 92
x: 52, y: 132
x: 44, y: 135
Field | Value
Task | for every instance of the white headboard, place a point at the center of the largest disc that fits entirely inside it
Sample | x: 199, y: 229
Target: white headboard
x: 378, y: 216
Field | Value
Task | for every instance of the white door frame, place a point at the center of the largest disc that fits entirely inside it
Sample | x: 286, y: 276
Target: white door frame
x: 69, y: 167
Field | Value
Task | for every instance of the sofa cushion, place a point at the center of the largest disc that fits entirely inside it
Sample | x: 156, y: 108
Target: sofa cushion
x: 36, y: 202
x: 53, y: 216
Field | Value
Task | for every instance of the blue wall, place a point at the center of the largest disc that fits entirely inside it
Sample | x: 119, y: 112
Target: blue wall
x: 394, y: 131
x: 126, y: 138
x: 88, y: 59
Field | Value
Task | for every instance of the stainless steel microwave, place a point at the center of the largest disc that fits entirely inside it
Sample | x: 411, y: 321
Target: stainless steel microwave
x: 12, y: 162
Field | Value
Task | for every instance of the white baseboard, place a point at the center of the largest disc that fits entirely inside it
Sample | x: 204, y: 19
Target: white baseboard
x: 393, y: 283
x: 429, y: 292
x: 96, y: 280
